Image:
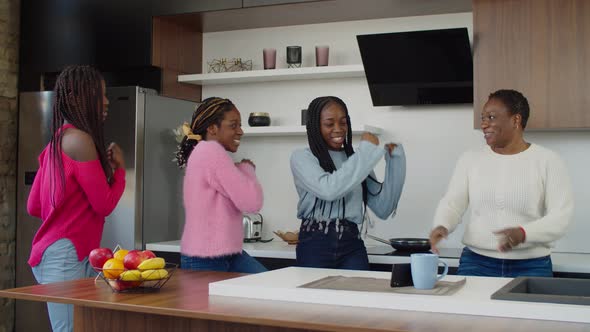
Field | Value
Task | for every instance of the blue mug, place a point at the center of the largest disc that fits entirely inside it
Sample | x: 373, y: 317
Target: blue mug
x: 425, y: 270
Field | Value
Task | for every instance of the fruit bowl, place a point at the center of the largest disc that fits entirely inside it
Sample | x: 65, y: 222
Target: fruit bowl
x: 147, y: 281
x: 289, y: 237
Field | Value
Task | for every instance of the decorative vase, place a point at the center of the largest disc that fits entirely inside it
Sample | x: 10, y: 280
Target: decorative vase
x: 294, y: 56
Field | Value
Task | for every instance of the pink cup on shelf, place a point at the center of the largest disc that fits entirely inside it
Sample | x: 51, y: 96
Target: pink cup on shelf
x: 270, y: 58
x: 322, y: 53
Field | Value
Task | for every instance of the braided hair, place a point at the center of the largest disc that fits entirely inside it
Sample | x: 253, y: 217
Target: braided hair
x: 318, y: 145
x: 78, y: 100
x: 210, y: 112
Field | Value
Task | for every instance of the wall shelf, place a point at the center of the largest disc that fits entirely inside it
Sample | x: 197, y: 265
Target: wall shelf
x: 299, y: 130
x: 271, y: 75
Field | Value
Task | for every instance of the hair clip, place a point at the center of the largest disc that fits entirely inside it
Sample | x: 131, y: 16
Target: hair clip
x: 186, y: 129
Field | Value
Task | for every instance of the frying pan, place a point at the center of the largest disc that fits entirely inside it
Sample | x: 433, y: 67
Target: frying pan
x: 405, y: 244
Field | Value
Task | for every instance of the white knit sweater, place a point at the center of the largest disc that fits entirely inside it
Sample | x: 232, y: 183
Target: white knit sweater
x: 531, y: 189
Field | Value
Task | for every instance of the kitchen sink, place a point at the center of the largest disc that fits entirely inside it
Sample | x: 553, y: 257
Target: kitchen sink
x: 539, y: 289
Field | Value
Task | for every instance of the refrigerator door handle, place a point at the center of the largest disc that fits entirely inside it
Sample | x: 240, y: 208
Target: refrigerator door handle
x: 30, y: 177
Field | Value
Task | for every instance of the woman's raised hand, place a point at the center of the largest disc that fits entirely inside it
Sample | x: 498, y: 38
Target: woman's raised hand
x: 390, y: 147
x: 115, y: 156
x: 370, y: 137
x: 247, y: 161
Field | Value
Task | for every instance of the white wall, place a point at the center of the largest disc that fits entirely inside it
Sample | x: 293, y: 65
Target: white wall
x: 433, y: 136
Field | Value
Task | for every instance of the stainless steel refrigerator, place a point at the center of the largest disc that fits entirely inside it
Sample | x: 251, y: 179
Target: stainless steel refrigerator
x: 150, y: 210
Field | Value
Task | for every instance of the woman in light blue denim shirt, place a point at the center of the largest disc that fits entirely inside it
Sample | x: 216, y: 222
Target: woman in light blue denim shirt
x: 335, y: 185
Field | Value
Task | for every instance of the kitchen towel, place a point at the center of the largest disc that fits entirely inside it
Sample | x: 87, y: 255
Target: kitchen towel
x: 363, y: 284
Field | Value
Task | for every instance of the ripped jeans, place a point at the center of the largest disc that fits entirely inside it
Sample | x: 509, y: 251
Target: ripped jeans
x: 335, y: 244
x: 60, y: 263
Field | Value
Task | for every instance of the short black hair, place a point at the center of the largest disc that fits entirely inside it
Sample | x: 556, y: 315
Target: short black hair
x: 515, y: 102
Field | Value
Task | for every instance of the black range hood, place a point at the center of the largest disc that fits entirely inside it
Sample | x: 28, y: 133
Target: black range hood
x: 418, y: 67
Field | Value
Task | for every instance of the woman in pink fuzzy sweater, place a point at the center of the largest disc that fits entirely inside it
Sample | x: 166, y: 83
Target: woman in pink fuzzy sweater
x: 217, y: 191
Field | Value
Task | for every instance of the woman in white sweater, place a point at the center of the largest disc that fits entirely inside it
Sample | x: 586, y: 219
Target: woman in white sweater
x: 519, y: 193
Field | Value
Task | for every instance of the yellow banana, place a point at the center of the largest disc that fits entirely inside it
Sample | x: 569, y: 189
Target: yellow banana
x: 154, y: 274
x: 131, y: 275
x: 152, y: 264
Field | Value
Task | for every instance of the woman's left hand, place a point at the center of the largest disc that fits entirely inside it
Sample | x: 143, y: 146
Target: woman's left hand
x: 115, y: 156
x: 248, y: 161
x: 511, y: 237
x: 390, y: 147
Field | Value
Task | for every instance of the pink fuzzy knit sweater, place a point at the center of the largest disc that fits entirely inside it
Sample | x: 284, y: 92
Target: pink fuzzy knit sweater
x: 216, y: 193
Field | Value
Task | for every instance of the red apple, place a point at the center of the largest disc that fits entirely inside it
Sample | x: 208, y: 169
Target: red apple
x: 148, y: 254
x: 99, y: 256
x: 132, y: 260
x: 135, y: 257
x: 120, y: 285
x: 134, y: 251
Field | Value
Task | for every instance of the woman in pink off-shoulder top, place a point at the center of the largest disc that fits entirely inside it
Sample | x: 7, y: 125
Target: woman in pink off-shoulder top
x: 78, y: 184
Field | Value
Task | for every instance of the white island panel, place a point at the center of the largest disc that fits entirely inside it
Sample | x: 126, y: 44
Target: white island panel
x: 472, y: 299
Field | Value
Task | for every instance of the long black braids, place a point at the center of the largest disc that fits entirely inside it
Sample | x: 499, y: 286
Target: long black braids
x: 210, y: 112
x: 319, y: 147
x: 78, y: 100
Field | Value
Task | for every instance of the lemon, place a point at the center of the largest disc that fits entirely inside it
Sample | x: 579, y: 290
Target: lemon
x: 120, y: 254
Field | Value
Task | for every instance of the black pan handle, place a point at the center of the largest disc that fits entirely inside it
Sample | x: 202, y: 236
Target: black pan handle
x: 378, y: 239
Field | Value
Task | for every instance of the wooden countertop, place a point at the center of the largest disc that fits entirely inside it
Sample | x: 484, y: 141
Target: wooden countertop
x: 186, y: 295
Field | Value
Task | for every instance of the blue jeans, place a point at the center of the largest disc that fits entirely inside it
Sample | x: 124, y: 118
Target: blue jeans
x: 242, y: 263
x: 473, y: 264
x: 338, y: 248
x: 60, y: 263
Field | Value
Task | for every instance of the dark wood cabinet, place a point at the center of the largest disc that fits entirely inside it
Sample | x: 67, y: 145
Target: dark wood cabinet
x: 177, y: 43
x: 539, y: 47
x: 255, y: 3
x: 172, y: 7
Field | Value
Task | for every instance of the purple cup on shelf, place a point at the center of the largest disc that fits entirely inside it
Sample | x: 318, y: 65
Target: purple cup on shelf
x: 322, y: 53
x: 270, y: 58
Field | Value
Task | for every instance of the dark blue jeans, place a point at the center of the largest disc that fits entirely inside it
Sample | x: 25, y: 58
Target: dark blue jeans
x: 338, y: 248
x: 473, y: 264
x: 242, y: 263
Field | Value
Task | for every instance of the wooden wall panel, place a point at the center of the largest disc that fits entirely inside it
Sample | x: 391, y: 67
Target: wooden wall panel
x: 177, y: 48
x: 539, y: 47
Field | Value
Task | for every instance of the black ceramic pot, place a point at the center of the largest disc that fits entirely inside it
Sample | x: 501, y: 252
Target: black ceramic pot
x: 259, y: 119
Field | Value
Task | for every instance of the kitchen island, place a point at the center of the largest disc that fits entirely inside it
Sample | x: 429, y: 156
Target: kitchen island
x: 184, y: 304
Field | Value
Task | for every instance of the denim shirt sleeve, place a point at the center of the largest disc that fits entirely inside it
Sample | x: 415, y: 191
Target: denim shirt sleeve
x: 311, y: 177
x: 383, y: 198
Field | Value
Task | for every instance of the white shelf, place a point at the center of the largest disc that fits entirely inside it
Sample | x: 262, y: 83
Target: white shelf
x: 299, y: 130
x: 270, y: 75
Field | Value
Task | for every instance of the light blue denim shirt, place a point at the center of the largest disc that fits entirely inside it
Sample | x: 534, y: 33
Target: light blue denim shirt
x: 321, y: 192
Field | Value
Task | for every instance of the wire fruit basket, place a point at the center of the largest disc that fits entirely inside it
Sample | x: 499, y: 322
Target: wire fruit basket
x: 124, y: 280
x: 144, y: 284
